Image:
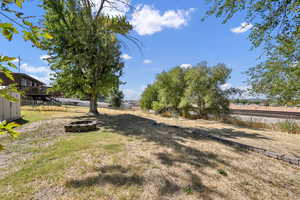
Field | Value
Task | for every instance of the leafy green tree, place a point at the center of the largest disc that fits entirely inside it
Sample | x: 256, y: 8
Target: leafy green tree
x: 203, y: 93
x: 195, y: 89
x: 171, y: 86
x: 276, y: 26
x: 149, y: 96
x: 277, y: 80
x: 85, y: 50
x: 116, y: 98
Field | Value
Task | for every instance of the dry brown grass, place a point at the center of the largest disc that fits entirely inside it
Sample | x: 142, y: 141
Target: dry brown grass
x: 269, y: 108
x: 131, y: 157
x: 287, y: 126
x: 270, y: 139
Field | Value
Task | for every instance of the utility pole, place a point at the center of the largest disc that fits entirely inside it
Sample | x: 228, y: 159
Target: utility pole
x: 19, y: 62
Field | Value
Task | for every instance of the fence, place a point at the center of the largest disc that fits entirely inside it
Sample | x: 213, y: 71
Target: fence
x: 10, y: 110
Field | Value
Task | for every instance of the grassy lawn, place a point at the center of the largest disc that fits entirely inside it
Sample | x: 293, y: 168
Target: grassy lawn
x: 36, y: 113
x: 130, y: 158
x: 49, y: 167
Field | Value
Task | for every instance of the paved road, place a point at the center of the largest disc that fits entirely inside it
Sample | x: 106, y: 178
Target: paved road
x: 263, y: 113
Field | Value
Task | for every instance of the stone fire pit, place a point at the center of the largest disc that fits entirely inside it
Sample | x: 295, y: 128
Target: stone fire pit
x: 81, y: 126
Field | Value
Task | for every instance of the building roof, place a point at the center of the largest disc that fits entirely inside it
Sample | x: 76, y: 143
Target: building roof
x: 29, y: 77
x: 18, y: 75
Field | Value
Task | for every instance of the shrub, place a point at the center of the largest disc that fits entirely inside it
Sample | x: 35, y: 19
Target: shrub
x: 116, y: 98
x: 149, y: 96
x: 289, y: 126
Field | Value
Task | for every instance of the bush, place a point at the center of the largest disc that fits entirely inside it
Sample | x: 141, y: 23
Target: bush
x: 116, y: 98
x: 289, y: 126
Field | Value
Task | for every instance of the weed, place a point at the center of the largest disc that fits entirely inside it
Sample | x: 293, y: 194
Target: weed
x: 289, y: 126
x: 188, y: 190
x: 222, y: 172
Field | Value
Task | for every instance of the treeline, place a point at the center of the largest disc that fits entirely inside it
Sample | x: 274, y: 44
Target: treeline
x: 185, y: 91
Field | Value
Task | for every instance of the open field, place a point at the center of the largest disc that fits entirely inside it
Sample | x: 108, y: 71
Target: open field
x: 129, y: 157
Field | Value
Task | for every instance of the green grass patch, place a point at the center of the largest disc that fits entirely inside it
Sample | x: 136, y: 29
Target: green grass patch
x: 51, y: 163
x: 113, y: 148
x: 33, y: 116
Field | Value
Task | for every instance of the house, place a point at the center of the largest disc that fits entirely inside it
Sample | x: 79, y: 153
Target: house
x: 33, y: 90
x: 22, y: 80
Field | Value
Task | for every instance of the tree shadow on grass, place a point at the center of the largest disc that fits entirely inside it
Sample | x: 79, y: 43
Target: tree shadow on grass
x: 113, y: 174
x: 233, y: 134
x: 174, y: 138
x: 21, y: 121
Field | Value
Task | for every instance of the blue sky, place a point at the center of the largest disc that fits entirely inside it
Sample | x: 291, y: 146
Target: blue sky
x: 171, y: 33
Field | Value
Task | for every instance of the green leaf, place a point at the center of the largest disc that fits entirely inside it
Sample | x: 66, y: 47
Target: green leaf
x: 47, y: 36
x: 19, y: 3
x: 6, y: 58
x: 27, y: 23
x: 8, y: 30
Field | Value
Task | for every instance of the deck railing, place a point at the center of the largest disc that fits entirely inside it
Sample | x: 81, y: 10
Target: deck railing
x: 34, y: 90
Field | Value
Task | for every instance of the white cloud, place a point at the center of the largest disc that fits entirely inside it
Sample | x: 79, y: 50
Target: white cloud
x: 113, y: 7
x: 244, y: 89
x: 45, y: 79
x: 32, y: 69
x: 226, y: 86
x: 147, y: 61
x: 134, y: 94
x: 126, y: 57
x: 44, y: 57
x: 147, y: 21
x: 143, y: 87
x: 41, y: 73
x: 15, y: 60
x: 131, y: 94
x: 246, y: 93
x: 245, y: 26
x: 185, y: 66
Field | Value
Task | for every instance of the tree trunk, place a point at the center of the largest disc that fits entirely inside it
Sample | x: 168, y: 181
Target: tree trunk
x: 93, y: 106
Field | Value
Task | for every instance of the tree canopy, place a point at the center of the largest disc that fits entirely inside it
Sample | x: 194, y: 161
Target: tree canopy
x: 85, y: 51
x: 196, y: 89
x: 276, y: 27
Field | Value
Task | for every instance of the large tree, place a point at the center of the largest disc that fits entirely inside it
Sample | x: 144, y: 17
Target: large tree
x: 196, y: 89
x: 85, y: 51
x: 276, y: 27
x: 277, y: 80
x: 203, y: 93
x: 149, y: 95
x: 171, y: 86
